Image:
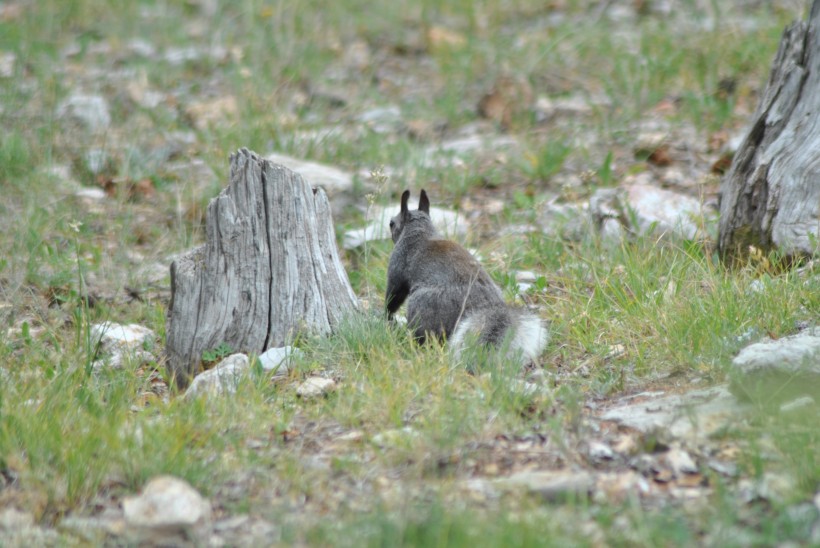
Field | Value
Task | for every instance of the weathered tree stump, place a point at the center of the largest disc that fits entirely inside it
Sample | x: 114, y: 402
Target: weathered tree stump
x: 771, y: 194
x: 269, y: 269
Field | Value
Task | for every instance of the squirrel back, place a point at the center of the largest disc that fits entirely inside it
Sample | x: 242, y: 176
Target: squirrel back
x: 449, y: 295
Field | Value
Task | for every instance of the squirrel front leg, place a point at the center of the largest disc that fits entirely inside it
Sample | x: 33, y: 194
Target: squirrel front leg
x: 398, y: 288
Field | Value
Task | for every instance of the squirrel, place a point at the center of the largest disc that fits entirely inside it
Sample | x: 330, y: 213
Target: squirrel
x: 449, y: 294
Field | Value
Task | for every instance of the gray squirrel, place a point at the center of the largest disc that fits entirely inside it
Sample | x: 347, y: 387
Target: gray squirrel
x: 449, y: 295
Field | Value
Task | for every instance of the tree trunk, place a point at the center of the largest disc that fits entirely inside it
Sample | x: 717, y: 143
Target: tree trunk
x: 771, y: 194
x: 269, y: 269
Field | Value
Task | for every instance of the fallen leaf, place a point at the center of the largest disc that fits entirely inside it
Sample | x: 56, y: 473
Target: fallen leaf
x: 722, y: 164
x: 692, y: 480
x: 664, y: 475
x: 666, y: 107
x: 660, y: 156
x: 509, y: 96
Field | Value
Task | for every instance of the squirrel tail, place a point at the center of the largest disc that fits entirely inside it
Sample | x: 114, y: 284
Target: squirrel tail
x: 524, y: 333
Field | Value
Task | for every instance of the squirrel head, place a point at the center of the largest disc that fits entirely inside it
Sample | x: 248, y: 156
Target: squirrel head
x: 419, y: 218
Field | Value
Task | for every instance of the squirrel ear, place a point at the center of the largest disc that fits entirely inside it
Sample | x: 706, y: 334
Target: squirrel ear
x: 424, y: 202
x: 404, y: 197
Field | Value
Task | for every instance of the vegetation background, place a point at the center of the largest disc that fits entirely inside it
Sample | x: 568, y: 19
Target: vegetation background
x: 98, y: 193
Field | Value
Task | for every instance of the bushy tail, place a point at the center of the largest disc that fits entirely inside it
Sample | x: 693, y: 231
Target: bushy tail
x: 522, y: 333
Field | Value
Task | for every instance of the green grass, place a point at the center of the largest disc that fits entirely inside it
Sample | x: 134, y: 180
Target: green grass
x: 70, y: 435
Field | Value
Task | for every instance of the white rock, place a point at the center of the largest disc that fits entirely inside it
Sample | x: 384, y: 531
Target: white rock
x: 383, y: 119
x: 692, y: 415
x: 115, y: 337
x: 95, y: 530
x: 551, y: 484
x: 178, y: 56
x: 91, y: 193
x: 660, y: 211
x: 523, y: 287
x: 794, y: 350
x: 357, y: 237
x: 314, y: 387
x: 12, y: 519
x: 278, y: 359
x: 567, y: 220
x: 475, y: 143
x: 728, y: 469
x: 91, y: 110
x: 223, y: 378
x: 776, y: 370
x: 771, y: 486
x: 797, y: 404
x: 7, y: 61
x: 448, y: 222
x: 664, y: 210
x: 167, y: 506
x: 526, y: 276
x: 600, y: 451
x: 546, y: 107
x: 680, y: 462
x: 649, y: 141
x: 316, y: 174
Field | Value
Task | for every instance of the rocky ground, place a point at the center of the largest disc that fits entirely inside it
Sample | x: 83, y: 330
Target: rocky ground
x: 137, y: 130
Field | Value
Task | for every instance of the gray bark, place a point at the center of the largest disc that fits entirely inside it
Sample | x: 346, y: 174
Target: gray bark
x: 771, y: 194
x: 269, y: 269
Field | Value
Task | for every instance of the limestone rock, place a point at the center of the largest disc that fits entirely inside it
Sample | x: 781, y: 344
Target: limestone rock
x: 797, y: 404
x: 599, y: 451
x: 95, y: 530
x: 383, y: 120
x: 90, y: 110
x: 567, y: 220
x: 278, y: 359
x: 692, y: 415
x: 166, y: 509
x: 552, y: 485
x: 7, y: 62
x: 224, y: 378
x: 120, y: 344
x: 12, y: 519
x: 654, y: 211
x: 329, y: 177
x: 116, y: 337
x: 680, y: 462
x: 449, y: 223
x: 244, y: 530
x: 775, y: 371
x: 573, y: 106
x: 458, y: 150
x: 313, y: 387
